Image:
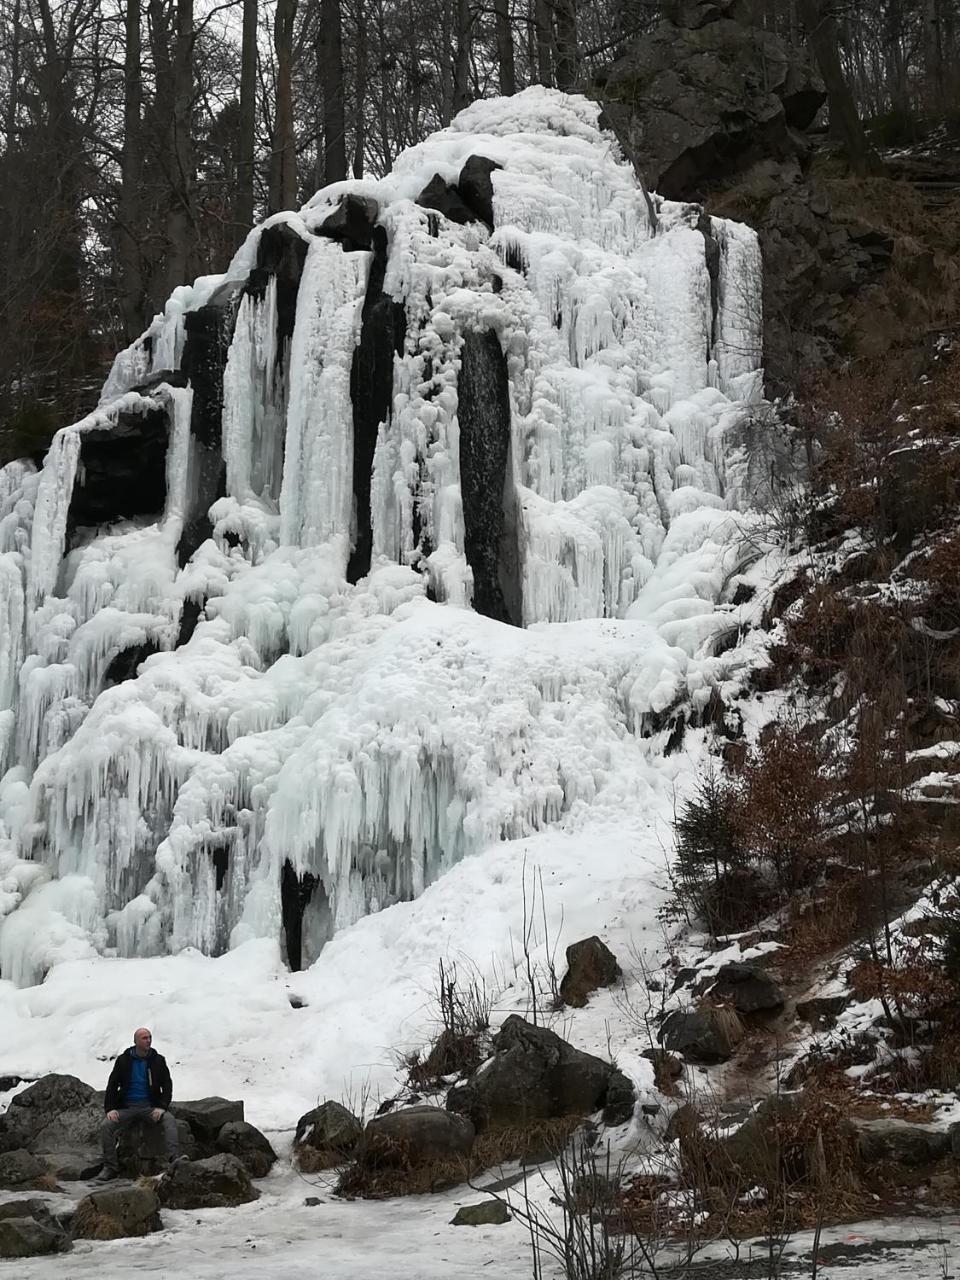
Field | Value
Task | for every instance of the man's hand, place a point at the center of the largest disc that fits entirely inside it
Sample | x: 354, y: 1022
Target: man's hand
x: 114, y: 1116
x: 156, y: 1114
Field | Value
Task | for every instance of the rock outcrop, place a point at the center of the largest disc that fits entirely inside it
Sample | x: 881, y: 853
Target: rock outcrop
x: 590, y: 965
x: 535, y: 1075
x: 218, y: 1182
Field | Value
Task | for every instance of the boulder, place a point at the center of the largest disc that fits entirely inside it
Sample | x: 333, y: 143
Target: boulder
x: 28, y: 1230
x: 445, y: 199
x: 414, y: 1135
x: 115, y: 1213
x: 71, y: 1166
x: 207, y: 1116
x: 822, y: 1011
x: 900, y: 1142
x: 590, y: 965
x: 666, y: 1066
x: 141, y: 1149
x: 19, y: 1168
x: 535, y: 1075
x: 708, y: 1035
x: 352, y: 222
x: 748, y: 988
x: 248, y: 1144
x: 687, y: 99
x: 488, y: 1213
x: 475, y: 185
x: 329, y: 1127
x: 58, y: 1113
x: 218, y: 1182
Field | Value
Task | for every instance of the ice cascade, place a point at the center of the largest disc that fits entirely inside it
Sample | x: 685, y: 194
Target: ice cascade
x: 407, y: 534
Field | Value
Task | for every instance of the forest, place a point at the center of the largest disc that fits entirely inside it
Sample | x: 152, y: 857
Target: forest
x: 140, y: 140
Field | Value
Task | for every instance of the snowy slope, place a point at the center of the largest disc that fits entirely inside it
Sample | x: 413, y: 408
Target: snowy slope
x: 330, y: 740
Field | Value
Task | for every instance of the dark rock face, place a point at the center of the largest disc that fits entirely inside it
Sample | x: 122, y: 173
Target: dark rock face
x: 382, y: 328
x: 590, y: 965
x: 124, y: 666
x: 281, y: 253
x: 249, y: 1146
x: 329, y: 1127
x: 703, y: 95
x: 414, y: 1135
x: 116, y: 1213
x: 534, y: 1075
x: 58, y: 1113
x: 219, y: 1182
x: 123, y: 471
x: 19, y: 1168
x: 748, y: 988
x: 296, y: 894
x: 28, y: 1230
x: 207, y: 1116
x: 708, y: 1036
x: 72, y: 1166
x: 352, y: 223
x: 446, y: 199
x: 484, y: 416
x: 475, y: 185
x: 208, y: 331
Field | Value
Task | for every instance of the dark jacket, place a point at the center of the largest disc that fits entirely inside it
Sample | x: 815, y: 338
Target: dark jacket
x: 158, y: 1081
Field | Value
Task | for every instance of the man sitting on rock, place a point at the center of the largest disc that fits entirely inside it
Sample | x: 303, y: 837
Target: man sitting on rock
x: 138, y: 1092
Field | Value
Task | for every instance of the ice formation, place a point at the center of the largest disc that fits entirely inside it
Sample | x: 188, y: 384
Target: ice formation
x: 403, y: 536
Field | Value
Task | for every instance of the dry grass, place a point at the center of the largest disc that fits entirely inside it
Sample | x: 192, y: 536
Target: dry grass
x: 395, y: 1173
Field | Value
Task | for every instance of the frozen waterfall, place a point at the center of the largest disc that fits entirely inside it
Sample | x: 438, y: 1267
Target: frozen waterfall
x: 401, y: 537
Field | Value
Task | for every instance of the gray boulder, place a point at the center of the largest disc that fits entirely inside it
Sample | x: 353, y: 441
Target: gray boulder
x: 590, y: 965
x: 71, y: 1166
x: 689, y: 100
x: 28, y: 1230
x: 249, y: 1146
x: 329, y: 1127
x: 414, y: 1135
x: 749, y: 988
x: 488, y: 1213
x: 218, y: 1182
x: 822, y: 1011
x: 900, y: 1142
x: 535, y: 1075
x: 207, y: 1116
x: 115, y: 1213
x: 708, y: 1035
x: 20, y: 1168
x: 58, y: 1113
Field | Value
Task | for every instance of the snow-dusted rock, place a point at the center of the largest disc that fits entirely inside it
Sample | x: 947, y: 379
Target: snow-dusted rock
x: 590, y: 965
x: 249, y: 1145
x: 218, y: 1182
x: 115, y: 1213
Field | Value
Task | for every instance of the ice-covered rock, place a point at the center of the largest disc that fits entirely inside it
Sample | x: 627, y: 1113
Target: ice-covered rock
x: 254, y: 693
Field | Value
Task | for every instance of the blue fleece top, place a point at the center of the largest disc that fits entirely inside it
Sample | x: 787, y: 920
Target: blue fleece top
x: 139, y: 1090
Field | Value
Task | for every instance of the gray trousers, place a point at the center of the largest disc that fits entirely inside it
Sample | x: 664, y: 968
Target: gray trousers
x: 126, y: 1116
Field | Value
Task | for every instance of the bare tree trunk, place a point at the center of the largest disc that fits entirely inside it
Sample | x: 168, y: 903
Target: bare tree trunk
x: 508, y: 79
x: 243, y: 208
x: 461, y: 66
x: 13, y: 88
x: 933, y: 55
x: 181, y: 228
x: 565, y: 20
x: 541, y: 12
x: 822, y: 36
x: 131, y: 167
x: 360, y: 93
x: 330, y: 68
x: 283, y: 159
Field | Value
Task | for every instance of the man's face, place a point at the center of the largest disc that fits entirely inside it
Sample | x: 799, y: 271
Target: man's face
x: 142, y: 1041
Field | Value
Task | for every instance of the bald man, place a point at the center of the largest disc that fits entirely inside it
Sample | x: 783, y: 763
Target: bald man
x: 138, y: 1092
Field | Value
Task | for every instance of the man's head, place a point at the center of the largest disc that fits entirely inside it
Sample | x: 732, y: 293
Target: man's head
x: 142, y: 1040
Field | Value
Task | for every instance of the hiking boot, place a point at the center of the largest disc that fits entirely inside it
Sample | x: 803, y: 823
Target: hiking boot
x: 107, y: 1174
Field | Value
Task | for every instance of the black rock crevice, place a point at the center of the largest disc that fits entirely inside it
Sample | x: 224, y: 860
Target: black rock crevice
x: 484, y: 415
x: 383, y: 326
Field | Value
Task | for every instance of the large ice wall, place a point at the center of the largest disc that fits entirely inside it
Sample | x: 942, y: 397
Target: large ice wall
x: 246, y: 683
